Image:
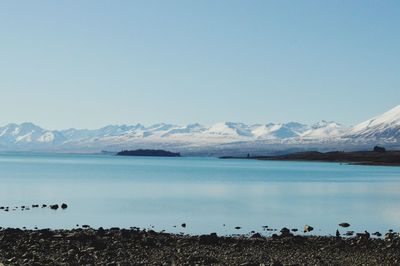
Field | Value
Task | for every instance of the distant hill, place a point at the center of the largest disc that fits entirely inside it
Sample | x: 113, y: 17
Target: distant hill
x: 156, y: 153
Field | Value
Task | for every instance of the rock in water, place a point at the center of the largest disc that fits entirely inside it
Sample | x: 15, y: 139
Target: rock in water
x: 183, y: 225
x: 364, y: 235
x: 64, y: 206
x: 256, y: 235
x: 308, y: 228
x: 377, y: 234
x: 285, y: 232
x: 337, y: 234
x: 344, y: 225
x: 54, y: 206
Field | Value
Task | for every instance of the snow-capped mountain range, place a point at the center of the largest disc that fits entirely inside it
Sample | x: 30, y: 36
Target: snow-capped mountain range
x: 384, y: 128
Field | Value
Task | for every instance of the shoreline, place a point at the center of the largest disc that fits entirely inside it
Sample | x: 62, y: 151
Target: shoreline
x: 371, y: 158
x: 117, y: 246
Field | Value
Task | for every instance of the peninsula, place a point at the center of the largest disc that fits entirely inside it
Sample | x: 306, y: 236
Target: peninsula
x: 378, y: 156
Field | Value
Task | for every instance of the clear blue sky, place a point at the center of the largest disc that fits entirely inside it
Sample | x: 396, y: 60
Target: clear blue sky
x: 90, y: 63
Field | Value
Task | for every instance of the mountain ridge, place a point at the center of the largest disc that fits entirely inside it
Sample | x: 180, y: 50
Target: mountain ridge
x: 384, y: 128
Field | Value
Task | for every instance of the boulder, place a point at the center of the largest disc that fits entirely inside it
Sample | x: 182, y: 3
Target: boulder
x: 256, y: 235
x: 308, y: 228
x: 285, y: 232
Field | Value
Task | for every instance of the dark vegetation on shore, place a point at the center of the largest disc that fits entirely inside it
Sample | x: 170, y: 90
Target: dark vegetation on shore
x: 378, y: 156
x: 156, y: 153
x: 140, y: 247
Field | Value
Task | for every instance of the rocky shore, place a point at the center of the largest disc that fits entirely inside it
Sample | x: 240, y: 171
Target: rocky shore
x: 87, y: 246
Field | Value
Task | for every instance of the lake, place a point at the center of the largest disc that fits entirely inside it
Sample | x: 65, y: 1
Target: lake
x: 208, y: 194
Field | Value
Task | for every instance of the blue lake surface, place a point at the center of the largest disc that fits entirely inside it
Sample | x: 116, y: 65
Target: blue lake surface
x: 204, y: 193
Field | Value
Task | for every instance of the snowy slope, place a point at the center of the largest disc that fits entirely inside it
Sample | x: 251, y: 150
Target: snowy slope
x: 324, y: 130
x: 27, y: 136
x: 385, y: 126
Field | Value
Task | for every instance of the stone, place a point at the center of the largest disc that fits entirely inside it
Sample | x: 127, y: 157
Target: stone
x: 377, y: 234
x: 284, y: 231
x: 256, y: 235
x: 349, y: 233
x: 345, y: 225
x: 308, y: 228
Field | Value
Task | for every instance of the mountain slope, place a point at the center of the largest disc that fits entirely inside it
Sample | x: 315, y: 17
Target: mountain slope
x: 385, y: 126
x: 29, y: 135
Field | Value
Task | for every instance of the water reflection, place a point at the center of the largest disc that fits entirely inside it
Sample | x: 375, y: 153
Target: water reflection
x: 205, y: 193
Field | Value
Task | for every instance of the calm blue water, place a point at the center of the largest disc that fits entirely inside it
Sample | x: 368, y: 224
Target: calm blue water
x: 205, y: 193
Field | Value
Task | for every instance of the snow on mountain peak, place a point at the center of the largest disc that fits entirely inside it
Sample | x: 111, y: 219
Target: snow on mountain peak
x: 384, y: 126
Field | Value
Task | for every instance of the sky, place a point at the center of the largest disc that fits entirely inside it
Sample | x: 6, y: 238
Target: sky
x: 87, y: 64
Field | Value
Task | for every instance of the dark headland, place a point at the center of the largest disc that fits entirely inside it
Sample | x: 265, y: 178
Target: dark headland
x: 156, y: 153
x: 116, y: 246
x: 378, y: 156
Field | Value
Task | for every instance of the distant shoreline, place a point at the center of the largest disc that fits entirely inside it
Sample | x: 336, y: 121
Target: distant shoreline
x: 386, y: 158
x: 148, y: 153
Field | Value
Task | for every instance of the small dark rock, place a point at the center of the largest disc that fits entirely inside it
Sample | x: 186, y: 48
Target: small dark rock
x: 377, y: 234
x: 389, y: 236
x: 337, y: 234
x: 344, y: 225
x: 256, y: 235
x: 54, y: 206
x: 285, y: 232
x: 364, y: 235
x: 64, y: 206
